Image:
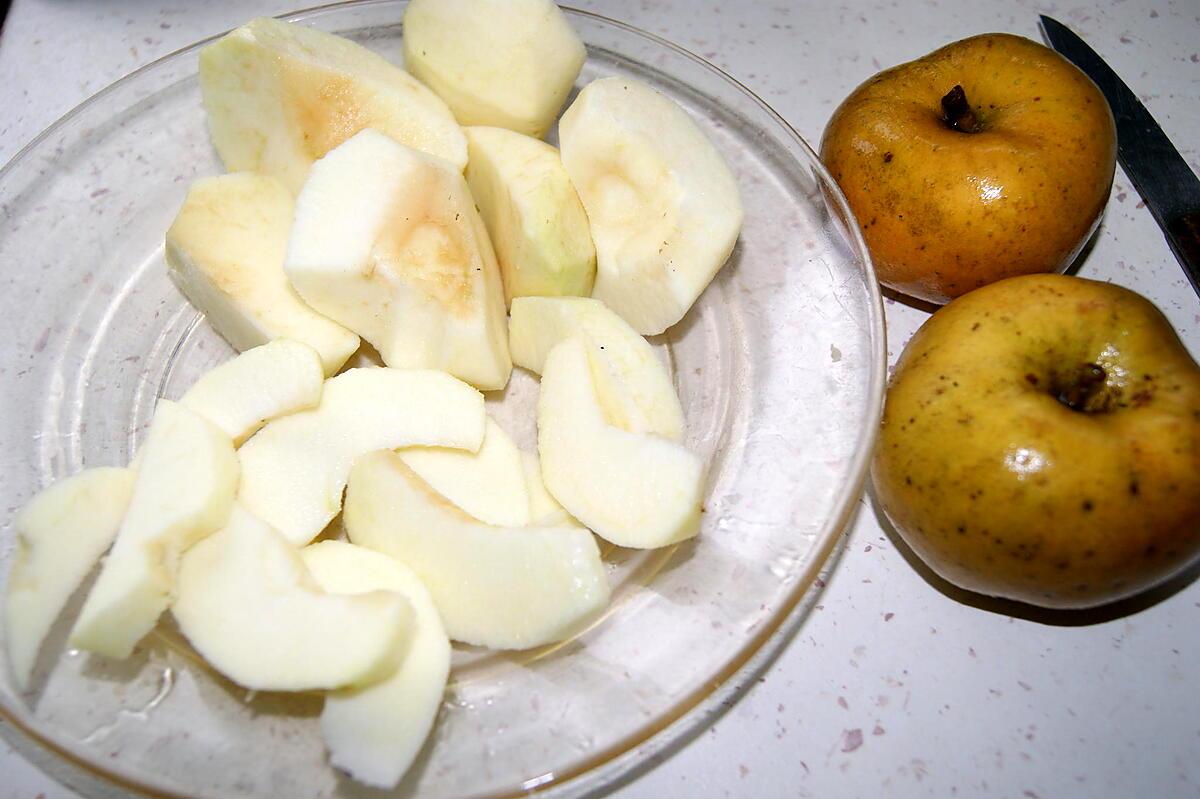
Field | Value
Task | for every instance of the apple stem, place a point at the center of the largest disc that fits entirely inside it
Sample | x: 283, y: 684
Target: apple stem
x: 1082, y: 389
x: 957, y: 111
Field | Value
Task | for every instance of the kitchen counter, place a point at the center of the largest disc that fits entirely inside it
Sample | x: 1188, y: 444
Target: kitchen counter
x: 895, y: 683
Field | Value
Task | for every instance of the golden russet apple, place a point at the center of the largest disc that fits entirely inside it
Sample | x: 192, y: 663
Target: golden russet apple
x: 1041, y: 442
x: 988, y: 158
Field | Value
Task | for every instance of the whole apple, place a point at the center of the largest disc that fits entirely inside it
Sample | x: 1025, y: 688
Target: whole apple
x: 1041, y: 442
x: 988, y: 158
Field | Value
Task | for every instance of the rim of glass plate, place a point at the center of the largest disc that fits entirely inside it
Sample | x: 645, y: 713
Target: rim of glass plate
x: 679, y: 719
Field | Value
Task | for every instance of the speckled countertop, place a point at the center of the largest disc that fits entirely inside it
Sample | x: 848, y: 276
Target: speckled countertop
x: 895, y: 683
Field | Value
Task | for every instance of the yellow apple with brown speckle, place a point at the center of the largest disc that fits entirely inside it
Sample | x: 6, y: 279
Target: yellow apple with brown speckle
x: 1041, y: 442
x: 988, y: 158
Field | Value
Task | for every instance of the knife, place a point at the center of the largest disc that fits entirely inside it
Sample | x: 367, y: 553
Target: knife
x: 1169, y: 187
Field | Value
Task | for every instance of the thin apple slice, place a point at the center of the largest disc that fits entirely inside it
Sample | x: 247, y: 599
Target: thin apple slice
x: 61, y: 533
x: 533, y: 215
x: 509, y: 63
x: 633, y: 386
x: 633, y: 489
x: 261, y: 384
x: 544, y: 510
x: 184, y: 491
x: 294, y: 469
x: 281, y: 95
x: 387, y: 241
x: 488, y: 484
x: 663, y: 206
x: 249, y: 606
x: 504, y: 588
x: 225, y: 251
x: 374, y: 732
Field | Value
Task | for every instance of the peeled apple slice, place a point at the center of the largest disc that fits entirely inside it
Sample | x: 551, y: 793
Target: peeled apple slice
x: 544, y: 510
x: 503, y: 588
x: 488, y: 484
x: 262, y: 383
x: 387, y: 241
x: 186, y: 481
x: 249, y: 606
x: 532, y: 213
x: 373, y: 733
x: 280, y: 95
x: 508, y: 63
x: 634, y: 489
x: 60, y: 533
x: 294, y: 469
x: 634, y: 388
x: 663, y: 206
x: 225, y: 252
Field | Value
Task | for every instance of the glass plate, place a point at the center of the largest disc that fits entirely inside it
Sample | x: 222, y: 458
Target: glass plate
x: 780, y: 368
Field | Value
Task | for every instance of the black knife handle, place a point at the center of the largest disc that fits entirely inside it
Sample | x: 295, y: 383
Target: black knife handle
x: 1183, y: 234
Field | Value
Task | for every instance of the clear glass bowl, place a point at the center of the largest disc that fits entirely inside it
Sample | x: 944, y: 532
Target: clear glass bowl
x: 780, y: 367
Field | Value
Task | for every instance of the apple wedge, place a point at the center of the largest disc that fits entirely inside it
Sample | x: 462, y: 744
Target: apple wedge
x: 294, y: 469
x: 249, y: 606
x: 488, y: 484
x: 533, y: 215
x: 261, y: 384
x: 503, y: 588
x: 61, y: 533
x: 186, y: 482
x: 662, y: 203
x: 374, y: 732
x: 387, y: 241
x: 544, y: 510
x: 280, y: 95
x: 508, y: 63
x: 634, y: 489
x: 225, y: 252
x: 634, y: 388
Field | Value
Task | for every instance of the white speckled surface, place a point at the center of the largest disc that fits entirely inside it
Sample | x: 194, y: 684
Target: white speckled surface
x: 894, y: 683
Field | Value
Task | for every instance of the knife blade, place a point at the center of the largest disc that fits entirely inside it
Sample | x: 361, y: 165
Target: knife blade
x: 1167, y: 184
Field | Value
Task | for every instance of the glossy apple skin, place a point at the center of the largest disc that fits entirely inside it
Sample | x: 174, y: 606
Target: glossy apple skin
x: 944, y: 212
x: 1004, y: 490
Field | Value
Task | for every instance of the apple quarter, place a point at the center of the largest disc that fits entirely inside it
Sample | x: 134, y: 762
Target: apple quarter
x: 387, y: 242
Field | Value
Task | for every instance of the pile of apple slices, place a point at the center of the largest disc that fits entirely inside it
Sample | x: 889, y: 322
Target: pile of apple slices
x: 347, y: 218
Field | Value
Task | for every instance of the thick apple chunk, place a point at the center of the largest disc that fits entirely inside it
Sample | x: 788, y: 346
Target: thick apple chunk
x: 186, y: 482
x: 633, y: 489
x: 508, y: 63
x: 225, y: 252
x: 387, y: 241
x: 534, y: 216
x: 488, y: 484
x: 61, y: 533
x: 263, y: 383
x: 633, y: 387
x: 663, y: 206
x: 248, y: 605
x: 504, y: 588
x: 374, y: 732
x: 279, y: 96
x: 294, y: 469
